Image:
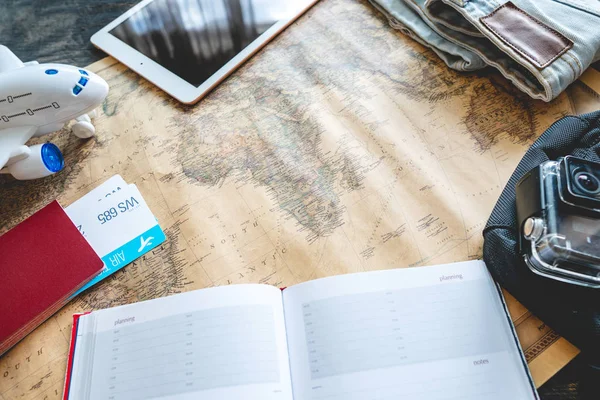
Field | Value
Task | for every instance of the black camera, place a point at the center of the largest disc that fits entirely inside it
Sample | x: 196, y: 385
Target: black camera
x: 558, y: 211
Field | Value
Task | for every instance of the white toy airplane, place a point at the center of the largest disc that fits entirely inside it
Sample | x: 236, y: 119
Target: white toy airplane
x: 36, y: 99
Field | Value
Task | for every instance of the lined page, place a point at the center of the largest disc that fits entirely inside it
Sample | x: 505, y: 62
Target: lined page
x: 428, y: 333
x: 218, y: 343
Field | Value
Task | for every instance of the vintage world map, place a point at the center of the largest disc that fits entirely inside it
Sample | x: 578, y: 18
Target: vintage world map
x: 341, y: 147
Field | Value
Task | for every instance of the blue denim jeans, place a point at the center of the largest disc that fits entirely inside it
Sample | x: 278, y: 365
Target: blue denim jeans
x: 542, y: 46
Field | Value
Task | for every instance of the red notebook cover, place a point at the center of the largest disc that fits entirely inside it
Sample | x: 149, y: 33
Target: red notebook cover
x: 43, y: 261
x: 69, y: 372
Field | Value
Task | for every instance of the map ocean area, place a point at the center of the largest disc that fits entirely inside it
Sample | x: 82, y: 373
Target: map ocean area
x: 341, y: 147
x: 317, y: 340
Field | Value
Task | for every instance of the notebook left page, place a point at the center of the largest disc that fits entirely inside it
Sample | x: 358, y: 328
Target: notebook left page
x: 218, y: 343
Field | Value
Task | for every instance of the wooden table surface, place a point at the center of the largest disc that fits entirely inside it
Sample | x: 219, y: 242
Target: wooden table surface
x: 59, y: 31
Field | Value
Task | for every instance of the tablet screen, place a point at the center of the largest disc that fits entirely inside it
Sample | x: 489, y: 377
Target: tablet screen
x: 195, y: 38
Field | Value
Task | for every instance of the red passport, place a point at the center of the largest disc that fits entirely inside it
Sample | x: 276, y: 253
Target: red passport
x: 43, y: 261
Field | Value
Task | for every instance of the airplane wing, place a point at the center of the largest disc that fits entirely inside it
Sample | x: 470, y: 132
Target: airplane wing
x: 8, y: 60
x: 12, y: 142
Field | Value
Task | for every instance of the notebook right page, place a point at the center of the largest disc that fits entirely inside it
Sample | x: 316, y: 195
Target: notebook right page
x: 421, y: 333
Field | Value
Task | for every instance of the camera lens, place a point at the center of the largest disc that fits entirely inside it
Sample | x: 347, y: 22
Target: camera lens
x: 587, y: 182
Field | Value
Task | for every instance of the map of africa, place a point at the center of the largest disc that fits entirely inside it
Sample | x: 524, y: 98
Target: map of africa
x: 341, y: 147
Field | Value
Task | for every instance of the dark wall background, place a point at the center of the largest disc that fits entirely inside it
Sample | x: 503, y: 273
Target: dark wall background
x: 60, y: 30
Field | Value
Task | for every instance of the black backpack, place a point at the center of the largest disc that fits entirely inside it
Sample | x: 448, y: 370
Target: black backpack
x: 572, y: 311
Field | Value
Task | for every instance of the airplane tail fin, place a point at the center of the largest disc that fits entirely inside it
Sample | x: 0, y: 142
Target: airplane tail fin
x: 3, y: 160
x: 8, y: 60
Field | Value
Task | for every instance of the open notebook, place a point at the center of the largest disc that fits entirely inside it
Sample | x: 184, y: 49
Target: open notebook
x: 422, y: 333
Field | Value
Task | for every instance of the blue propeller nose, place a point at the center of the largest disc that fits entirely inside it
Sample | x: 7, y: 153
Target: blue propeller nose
x: 52, y: 157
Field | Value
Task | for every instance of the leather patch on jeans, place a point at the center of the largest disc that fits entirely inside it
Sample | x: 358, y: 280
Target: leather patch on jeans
x: 526, y: 35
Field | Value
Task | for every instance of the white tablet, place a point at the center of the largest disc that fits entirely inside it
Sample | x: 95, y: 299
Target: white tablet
x: 187, y: 47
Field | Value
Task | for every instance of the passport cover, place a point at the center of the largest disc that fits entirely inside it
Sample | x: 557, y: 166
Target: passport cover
x: 43, y: 261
